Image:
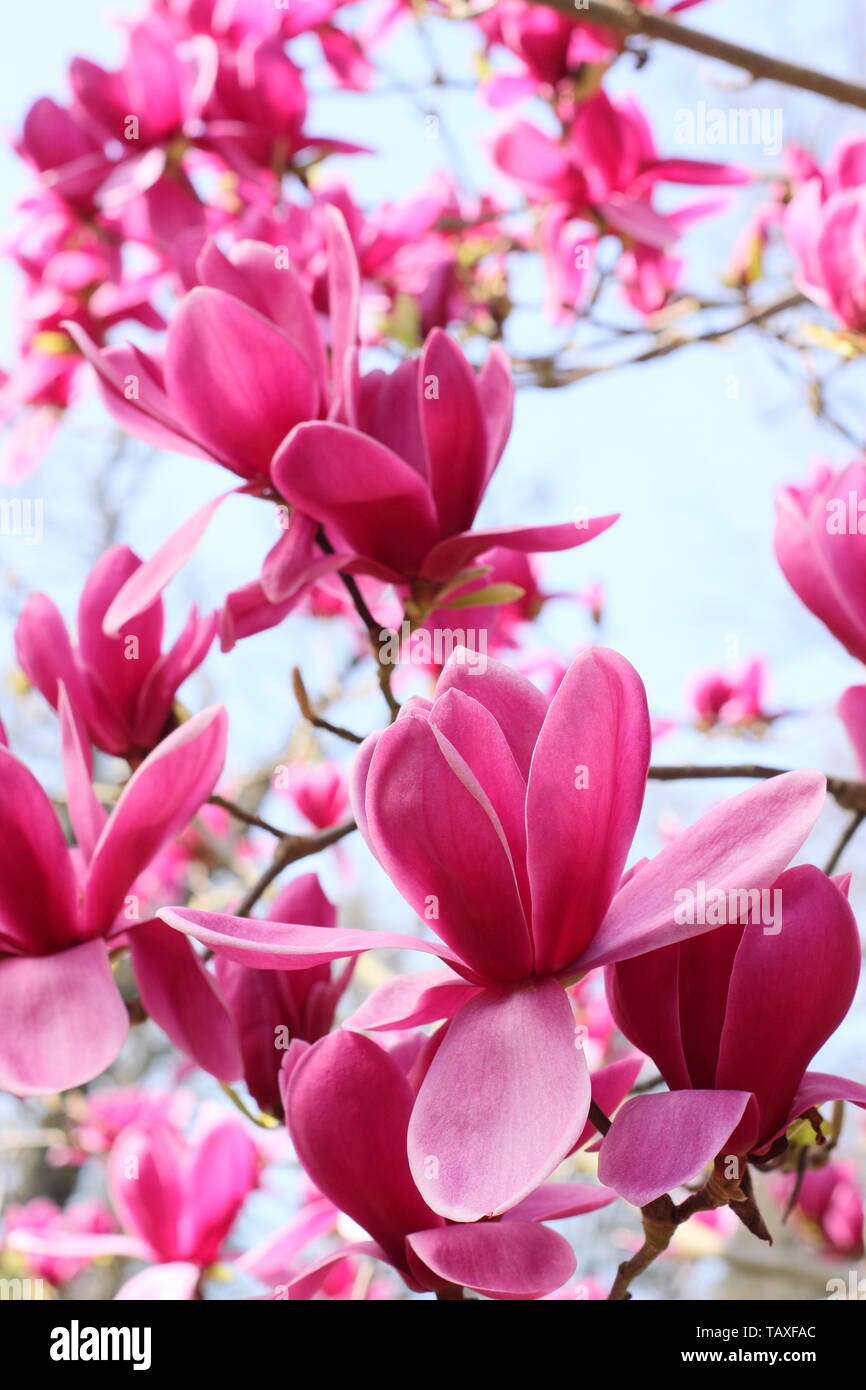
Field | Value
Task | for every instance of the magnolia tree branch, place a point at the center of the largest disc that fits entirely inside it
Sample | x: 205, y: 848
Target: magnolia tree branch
x: 545, y: 372
x: 848, y: 792
x: 629, y: 19
x: 290, y: 849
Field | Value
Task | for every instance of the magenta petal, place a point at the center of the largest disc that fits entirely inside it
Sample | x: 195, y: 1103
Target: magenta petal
x: 62, y: 1020
x: 511, y: 1260
x: 149, y: 580
x: 743, y: 843
x: 515, y: 703
x: 588, y: 775
x: 348, y: 1108
x: 851, y: 709
x: 411, y: 1000
x: 504, y: 1099
x: 176, y: 1282
x: 156, y: 804
x: 371, y: 502
x: 452, y: 555
x: 240, y: 383
x: 454, y: 433
x: 610, y: 1086
x: 344, y: 293
x: 553, y: 1201
x: 86, y: 815
x: 284, y: 946
x: 181, y: 996
x: 817, y: 1087
x: 660, y: 1142
x: 306, y: 1284
x: 37, y: 885
x: 806, y: 970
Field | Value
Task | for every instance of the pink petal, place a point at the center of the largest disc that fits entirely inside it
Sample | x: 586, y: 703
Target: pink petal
x: 514, y: 1260
x: 148, y: 582
x: 37, y: 885
x: 660, y: 1142
x: 282, y: 946
x: 355, y: 1151
x: 181, y: 996
x: 504, y: 1099
x: 454, y: 433
x: 610, y: 1086
x: 62, y: 1020
x: 553, y: 1201
x: 516, y: 704
x: 436, y: 834
x: 156, y: 804
x: 588, y: 775
x: 86, y: 815
x: 408, y: 1001
x: 851, y: 709
x: 808, y: 972
x: 744, y: 843
x: 176, y: 1282
x: 239, y: 382
x: 374, y: 504
x: 452, y: 555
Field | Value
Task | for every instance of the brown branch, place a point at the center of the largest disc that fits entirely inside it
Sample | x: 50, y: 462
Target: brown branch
x: 248, y: 817
x: 626, y: 18
x: 305, y: 705
x: 847, y: 792
x: 847, y: 836
x: 660, y: 1221
x: 548, y: 375
x: 290, y: 849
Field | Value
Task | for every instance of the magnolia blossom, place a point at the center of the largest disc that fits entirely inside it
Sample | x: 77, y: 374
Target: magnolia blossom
x: 356, y: 1154
x: 820, y: 539
x: 825, y: 224
x: 715, y: 1014
x: 121, y: 688
x: 456, y: 800
x: 62, y: 1019
x: 176, y: 1199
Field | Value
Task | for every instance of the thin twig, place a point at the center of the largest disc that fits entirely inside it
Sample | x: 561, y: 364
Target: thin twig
x: 850, y: 830
x: 627, y: 18
x: 290, y: 849
x: 848, y: 792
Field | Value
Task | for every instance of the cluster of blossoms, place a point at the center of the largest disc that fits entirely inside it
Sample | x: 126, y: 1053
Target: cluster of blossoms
x: 441, y: 1115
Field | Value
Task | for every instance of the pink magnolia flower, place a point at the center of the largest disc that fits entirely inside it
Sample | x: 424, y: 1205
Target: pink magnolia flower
x: 457, y: 799
x: 829, y: 1206
x: 62, y: 1019
x: 348, y: 1108
x: 121, y: 688
x: 41, y: 1216
x: 716, y: 1015
x: 735, y: 698
x: 317, y: 790
x: 177, y: 1200
x: 61, y: 145
x: 851, y: 709
x: 232, y: 407
x: 100, y: 1115
x: 160, y: 87
x: 825, y: 226
x: 270, y: 1008
x: 820, y: 542
x: 600, y: 178
x: 397, y: 487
